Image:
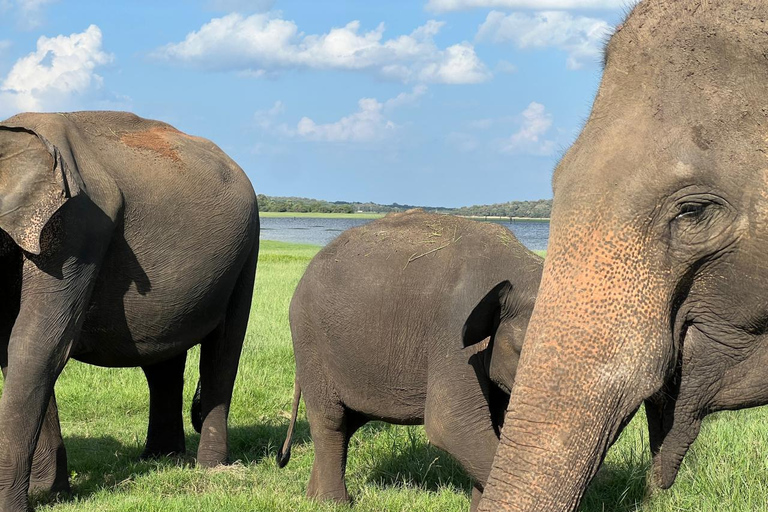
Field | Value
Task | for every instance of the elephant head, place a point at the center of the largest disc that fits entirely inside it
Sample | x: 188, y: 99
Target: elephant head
x: 503, y: 316
x: 655, y: 286
x: 34, y: 184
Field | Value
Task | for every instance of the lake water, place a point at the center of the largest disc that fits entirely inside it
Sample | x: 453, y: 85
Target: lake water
x: 318, y: 231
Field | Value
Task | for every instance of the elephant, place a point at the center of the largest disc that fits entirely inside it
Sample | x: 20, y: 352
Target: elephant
x: 655, y: 287
x: 379, y: 322
x: 124, y: 242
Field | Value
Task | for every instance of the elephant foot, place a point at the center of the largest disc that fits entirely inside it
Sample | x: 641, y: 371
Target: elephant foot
x: 49, y: 472
x: 211, y: 458
x: 339, y: 496
x: 164, y: 449
x: 50, y: 487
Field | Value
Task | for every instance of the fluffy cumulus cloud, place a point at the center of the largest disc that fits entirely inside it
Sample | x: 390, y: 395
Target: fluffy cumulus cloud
x: 265, y: 43
x: 581, y: 37
x: 56, y: 75
x: 369, y: 124
x: 29, y: 14
x: 531, y: 138
x: 457, y: 5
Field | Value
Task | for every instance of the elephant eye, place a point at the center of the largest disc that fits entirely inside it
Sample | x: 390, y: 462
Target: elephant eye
x: 691, y: 211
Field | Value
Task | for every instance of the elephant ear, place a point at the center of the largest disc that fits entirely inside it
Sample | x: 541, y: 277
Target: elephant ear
x: 496, y: 315
x: 34, y: 184
x: 505, y: 352
x: 484, y: 319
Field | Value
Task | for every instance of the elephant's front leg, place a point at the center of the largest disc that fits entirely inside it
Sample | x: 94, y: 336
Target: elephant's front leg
x: 49, y: 463
x: 457, y: 419
x: 53, y: 301
x: 27, y: 392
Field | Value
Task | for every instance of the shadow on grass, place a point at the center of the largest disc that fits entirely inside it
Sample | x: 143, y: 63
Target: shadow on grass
x: 617, y: 488
x: 105, y: 462
x: 252, y: 444
x: 410, y: 461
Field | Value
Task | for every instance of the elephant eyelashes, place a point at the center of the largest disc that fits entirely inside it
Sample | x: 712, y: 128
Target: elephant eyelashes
x: 700, y: 221
x: 691, y: 211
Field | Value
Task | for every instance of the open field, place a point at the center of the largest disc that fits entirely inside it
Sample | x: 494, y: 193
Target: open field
x: 391, y: 468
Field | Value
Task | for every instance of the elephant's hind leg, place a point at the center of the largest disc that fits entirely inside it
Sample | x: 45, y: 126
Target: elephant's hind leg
x: 219, y: 358
x: 165, y: 434
x: 332, y: 426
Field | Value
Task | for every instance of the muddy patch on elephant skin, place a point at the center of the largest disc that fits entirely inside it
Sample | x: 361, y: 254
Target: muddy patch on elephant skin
x: 155, y: 140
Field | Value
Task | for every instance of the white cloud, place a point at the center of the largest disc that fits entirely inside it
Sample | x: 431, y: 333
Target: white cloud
x: 406, y: 98
x: 29, y: 13
x: 504, y: 66
x: 266, y: 118
x: 581, y: 37
x: 458, y: 5
x: 61, y: 70
x: 264, y: 43
x: 530, y: 139
x: 368, y: 124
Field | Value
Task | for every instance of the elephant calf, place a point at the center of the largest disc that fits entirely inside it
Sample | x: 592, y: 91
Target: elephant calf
x: 380, y: 320
x: 123, y: 242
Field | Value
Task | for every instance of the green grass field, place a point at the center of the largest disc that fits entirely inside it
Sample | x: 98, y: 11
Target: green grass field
x: 391, y: 468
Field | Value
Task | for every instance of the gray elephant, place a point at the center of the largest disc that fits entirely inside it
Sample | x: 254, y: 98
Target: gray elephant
x: 655, y: 288
x: 123, y: 242
x: 379, y: 323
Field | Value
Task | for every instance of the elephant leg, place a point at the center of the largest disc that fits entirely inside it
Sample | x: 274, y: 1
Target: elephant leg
x: 219, y: 358
x: 332, y: 426
x: 165, y: 433
x: 477, y: 495
x: 49, y: 463
x: 457, y: 419
x: 27, y: 411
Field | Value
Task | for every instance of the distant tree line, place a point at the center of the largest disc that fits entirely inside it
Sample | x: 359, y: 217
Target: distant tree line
x: 531, y: 209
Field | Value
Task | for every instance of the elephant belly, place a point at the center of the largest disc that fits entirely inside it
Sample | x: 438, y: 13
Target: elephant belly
x: 398, y: 404
x: 389, y: 386
x: 142, y: 326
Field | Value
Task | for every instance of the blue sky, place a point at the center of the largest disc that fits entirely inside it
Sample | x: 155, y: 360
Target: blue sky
x: 427, y: 102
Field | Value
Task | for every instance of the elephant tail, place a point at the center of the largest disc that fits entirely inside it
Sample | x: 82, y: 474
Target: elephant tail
x: 196, y: 411
x: 284, y: 453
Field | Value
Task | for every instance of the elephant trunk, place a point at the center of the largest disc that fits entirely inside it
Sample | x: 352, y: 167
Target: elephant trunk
x: 671, y: 432
x: 594, y: 350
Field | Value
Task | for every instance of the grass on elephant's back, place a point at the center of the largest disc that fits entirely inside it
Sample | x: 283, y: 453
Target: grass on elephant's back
x: 104, y: 413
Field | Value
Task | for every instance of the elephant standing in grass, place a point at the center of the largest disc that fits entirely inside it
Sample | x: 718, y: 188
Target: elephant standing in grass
x: 123, y: 242
x: 655, y: 288
x: 380, y: 320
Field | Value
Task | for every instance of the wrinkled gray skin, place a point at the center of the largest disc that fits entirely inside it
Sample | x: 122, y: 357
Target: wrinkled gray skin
x: 123, y: 243
x: 655, y: 287
x: 380, y: 320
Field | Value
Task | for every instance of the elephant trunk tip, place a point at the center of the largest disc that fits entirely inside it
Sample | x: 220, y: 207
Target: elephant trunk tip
x: 663, y: 477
